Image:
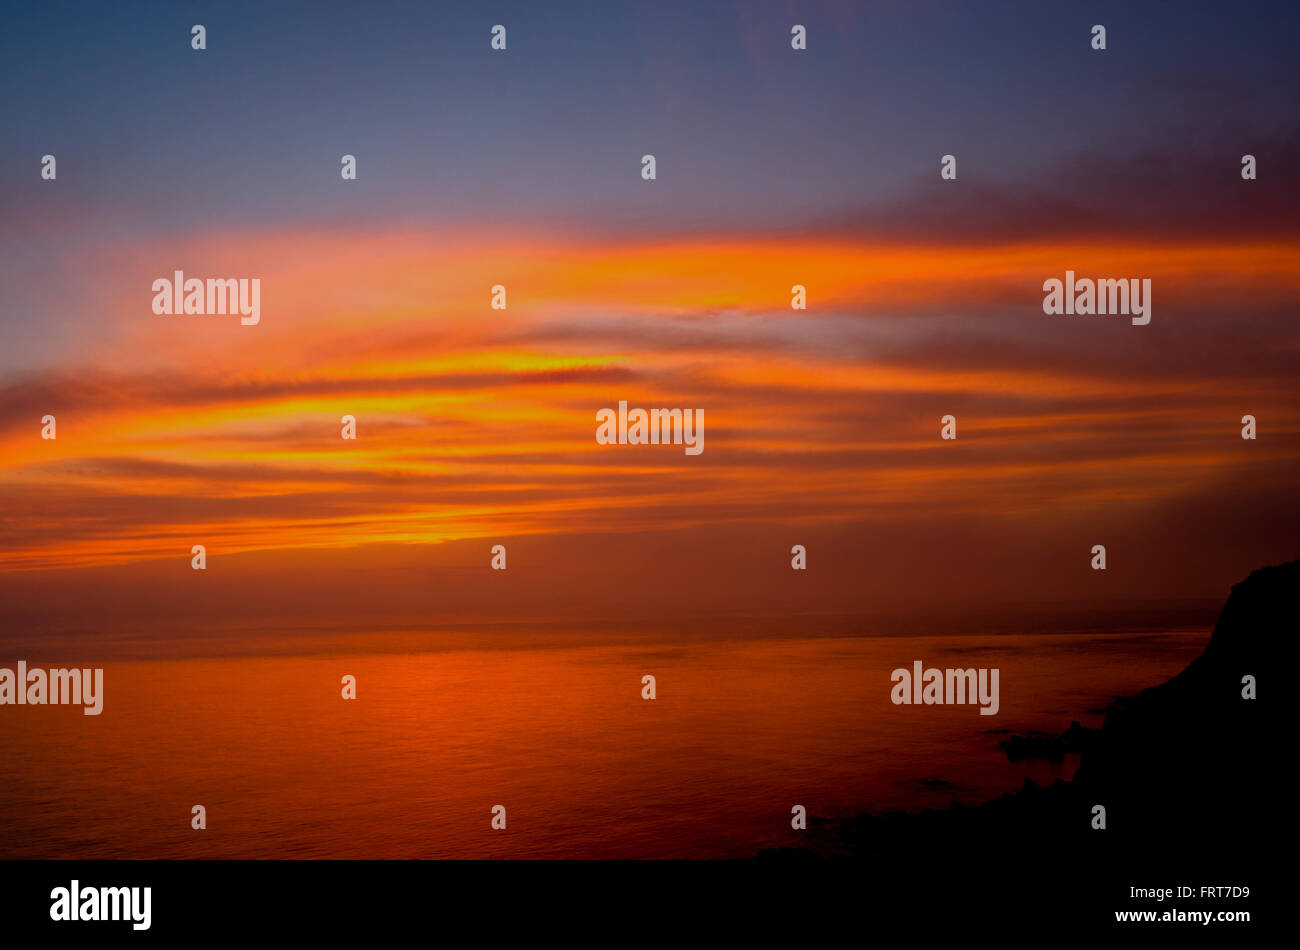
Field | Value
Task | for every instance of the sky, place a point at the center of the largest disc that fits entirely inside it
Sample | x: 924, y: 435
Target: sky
x: 522, y: 168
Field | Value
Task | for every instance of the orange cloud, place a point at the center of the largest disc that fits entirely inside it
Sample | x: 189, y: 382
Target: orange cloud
x: 476, y: 423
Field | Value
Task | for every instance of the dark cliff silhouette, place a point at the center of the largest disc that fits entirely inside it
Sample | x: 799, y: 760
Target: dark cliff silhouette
x: 1040, y: 745
x: 1185, y: 770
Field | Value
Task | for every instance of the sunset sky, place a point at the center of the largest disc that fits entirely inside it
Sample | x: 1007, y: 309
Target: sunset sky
x: 476, y: 426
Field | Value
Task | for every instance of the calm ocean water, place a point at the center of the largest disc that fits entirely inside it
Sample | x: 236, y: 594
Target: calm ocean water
x: 740, y: 732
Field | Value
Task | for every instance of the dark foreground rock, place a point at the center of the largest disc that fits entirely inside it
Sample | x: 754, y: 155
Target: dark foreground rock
x: 1184, y: 771
x: 1044, y: 745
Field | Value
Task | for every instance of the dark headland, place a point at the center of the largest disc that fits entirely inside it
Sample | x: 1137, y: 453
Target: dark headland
x: 1188, y: 779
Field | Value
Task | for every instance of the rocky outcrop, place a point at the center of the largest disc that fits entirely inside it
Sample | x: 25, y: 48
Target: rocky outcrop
x: 1185, y: 768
